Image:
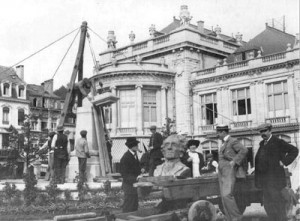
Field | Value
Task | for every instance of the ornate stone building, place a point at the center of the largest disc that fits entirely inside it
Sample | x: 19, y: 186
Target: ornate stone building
x: 13, y: 102
x: 152, y: 77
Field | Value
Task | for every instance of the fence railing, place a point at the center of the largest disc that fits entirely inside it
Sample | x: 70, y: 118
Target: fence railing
x: 278, y: 120
x: 273, y: 57
x: 238, y: 65
x: 161, y: 40
x: 207, y: 127
x: 140, y: 46
x: 240, y: 124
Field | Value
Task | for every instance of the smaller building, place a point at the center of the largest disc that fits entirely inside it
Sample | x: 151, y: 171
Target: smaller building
x: 13, y: 103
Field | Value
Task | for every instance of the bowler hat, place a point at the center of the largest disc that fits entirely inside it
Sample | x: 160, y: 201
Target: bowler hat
x: 193, y: 142
x: 131, y: 142
x: 265, y: 126
x: 153, y: 127
x: 60, y: 128
x: 83, y: 133
x: 222, y: 127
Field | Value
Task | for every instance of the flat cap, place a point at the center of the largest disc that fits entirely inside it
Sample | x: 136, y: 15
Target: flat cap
x: 222, y: 127
x: 265, y: 126
x: 83, y: 133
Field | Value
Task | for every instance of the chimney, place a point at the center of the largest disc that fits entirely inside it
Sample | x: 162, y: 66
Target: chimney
x: 20, y: 71
x: 48, y: 85
x: 200, y: 26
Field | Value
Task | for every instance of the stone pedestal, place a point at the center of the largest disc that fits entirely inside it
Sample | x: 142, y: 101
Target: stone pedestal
x: 85, y: 122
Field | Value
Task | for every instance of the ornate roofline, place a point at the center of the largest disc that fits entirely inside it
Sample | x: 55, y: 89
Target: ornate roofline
x: 249, y: 72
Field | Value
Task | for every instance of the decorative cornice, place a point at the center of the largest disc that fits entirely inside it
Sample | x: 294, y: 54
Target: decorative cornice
x: 14, y: 100
x: 243, y: 73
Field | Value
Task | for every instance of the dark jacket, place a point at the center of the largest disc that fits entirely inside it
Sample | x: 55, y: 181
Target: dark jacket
x: 268, y: 171
x: 186, y: 156
x: 61, y: 145
x: 156, y: 141
x: 130, y: 169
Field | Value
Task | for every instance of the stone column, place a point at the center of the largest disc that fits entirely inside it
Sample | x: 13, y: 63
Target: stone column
x: 139, y: 109
x: 220, y: 108
x: 114, y: 122
x: 39, y: 124
x: 226, y: 105
x: 164, y: 113
x: 291, y: 97
x: 196, y: 113
x: 262, y: 112
x: 253, y: 101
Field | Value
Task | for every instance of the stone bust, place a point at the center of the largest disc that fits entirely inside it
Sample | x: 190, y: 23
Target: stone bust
x: 172, y: 148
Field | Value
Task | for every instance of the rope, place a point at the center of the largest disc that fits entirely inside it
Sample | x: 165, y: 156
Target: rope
x: 47, y: 46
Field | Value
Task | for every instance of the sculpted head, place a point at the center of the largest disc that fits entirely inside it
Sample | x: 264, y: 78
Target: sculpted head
x: 173, y: 146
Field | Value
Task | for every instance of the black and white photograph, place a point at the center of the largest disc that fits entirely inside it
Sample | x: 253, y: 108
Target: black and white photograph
x: 150, y: 110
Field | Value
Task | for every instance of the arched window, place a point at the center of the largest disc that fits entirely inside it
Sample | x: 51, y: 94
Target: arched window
x: 210, y: 146
x: 5, y: 119
x: 248, y: 143
x: 34, y: 103
x: 6, y: 87
x: 21, y: 91
x: 21, y: 116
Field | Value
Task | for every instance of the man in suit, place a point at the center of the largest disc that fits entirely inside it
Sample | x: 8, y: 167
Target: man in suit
x: 61, y: 155
x: 130, y: 169
x: 273, y: 154
x: 156, y: 155
x: 231, y: 155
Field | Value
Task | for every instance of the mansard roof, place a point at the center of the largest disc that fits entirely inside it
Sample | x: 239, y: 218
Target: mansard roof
x: 9, y: 74
x: 34, y: 90
x: 269, y: 41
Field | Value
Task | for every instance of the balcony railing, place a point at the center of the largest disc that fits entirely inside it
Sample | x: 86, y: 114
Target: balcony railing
x: 126, y: 130
x: 146, y: 130
x: 206, y: 71
x: 278, y: 120
x: 161, y: 40
x: 209, y: 40
x: 241, y: 124
x: 273, y: 57
x: 238, y: 65
x: 207, y: 127
x: 140, y: 46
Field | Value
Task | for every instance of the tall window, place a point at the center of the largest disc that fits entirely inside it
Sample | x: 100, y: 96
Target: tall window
x: 149, y: 106
x: 127, y: 108
x: 44, y: 125
x: 278, y: 96
x: 241, y: 103
x: 107, y: 114
x: 21, y: 91
x: 209, y: 108
x: 21, y: 116
x: 6, y: 87
x: 5, y: 119
x: 210, y: 147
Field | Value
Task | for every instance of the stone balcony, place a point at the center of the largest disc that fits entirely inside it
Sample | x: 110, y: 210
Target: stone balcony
x: 278, y: 120
x: 181, y: 37
x: 247, y: 65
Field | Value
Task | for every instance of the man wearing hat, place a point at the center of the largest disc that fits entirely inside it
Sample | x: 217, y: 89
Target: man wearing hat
x: 82, y: 152
x: 61, y: 155
x: 130, y: 170
x: 192, y: 158
x: 156, y: 155
x: 273, y: 154
x: 231, y: 156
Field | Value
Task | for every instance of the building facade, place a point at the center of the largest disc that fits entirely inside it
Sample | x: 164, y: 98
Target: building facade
x: 13, y: 103
x: 152, y: 77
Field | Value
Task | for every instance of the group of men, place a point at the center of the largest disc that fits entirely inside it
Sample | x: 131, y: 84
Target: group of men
x: 273, y: 154
x: 59, y: 156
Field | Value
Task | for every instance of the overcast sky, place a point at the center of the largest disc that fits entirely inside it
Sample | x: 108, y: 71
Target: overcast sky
x: 27, y: 26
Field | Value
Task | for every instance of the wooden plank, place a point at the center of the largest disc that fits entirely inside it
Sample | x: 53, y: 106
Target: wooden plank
x: 99, y: 139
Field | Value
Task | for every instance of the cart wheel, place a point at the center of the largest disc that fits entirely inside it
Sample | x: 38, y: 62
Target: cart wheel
x: 202, y: 210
